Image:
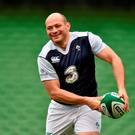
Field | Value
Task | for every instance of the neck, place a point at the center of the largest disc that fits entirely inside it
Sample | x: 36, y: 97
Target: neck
x: 64, y: 43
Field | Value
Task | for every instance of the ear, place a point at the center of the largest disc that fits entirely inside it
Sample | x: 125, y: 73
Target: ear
x: 68, y: 25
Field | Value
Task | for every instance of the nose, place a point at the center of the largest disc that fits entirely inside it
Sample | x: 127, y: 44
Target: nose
x: 54, y: 31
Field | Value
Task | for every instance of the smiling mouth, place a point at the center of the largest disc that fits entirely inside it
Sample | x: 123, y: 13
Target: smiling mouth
x: 55, y: 36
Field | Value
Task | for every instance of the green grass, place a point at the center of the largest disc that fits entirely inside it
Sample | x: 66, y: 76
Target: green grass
x: 23, y: 100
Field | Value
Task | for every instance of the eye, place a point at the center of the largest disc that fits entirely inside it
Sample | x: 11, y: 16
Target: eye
x: 57, y: 26
x: 49, y: 28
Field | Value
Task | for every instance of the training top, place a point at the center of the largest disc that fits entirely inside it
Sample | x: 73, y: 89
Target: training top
x: 74, y: 67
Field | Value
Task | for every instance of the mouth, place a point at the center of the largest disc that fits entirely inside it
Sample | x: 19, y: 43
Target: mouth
x: 56, y: 36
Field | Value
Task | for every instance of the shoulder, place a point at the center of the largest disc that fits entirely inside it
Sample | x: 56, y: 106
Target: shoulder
x: 46, y: 48
x: 88, y: 34
x: 93, y: 37
x: 77, y: 34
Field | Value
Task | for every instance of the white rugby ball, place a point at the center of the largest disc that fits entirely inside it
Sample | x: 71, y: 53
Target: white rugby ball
x: 112, y: 105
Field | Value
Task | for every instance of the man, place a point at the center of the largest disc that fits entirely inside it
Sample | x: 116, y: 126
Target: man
x: 67, y: 71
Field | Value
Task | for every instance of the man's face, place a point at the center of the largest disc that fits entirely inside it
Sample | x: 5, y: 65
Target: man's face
x: 57, y: 29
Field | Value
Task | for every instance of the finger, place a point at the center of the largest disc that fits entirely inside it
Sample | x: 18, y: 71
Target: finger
x: 100, y: 109
x: 121, y: 96
x: 126, y: 106
x: 99, y: 98
x: 125, y: 98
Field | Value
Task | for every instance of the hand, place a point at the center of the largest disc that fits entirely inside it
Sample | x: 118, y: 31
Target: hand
x: 94, y: 103
x: 123, y: 94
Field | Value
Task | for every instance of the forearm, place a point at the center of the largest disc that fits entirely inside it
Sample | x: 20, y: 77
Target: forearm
x: 71, y: 98
x: 120, y: 79
x: 118, y: 70
x: 61, y: 95
x: 111, y: 57
x: 67, y: 97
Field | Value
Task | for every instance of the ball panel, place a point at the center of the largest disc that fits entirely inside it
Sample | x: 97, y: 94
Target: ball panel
x: 117, y: 109
x: 105, y: 110
x: 112, y: 105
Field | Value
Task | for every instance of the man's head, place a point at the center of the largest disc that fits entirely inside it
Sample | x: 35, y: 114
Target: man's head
x: 57, y: 28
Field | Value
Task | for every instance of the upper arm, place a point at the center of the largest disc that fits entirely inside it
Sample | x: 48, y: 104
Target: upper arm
x: 96, y: 43
x: 51, y: 86
x: 48, y: 76
x: 107, y: 54
x: 100, y: 49
x: 46, y: 70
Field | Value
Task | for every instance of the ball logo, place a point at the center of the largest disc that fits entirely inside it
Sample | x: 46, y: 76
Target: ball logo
x: 118, y: 108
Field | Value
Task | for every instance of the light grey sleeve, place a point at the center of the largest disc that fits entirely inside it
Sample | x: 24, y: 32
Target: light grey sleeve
x: 46, y: 70
x: 96, y: 43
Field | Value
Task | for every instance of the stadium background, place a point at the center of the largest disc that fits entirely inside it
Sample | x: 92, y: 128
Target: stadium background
x: 23, y: 100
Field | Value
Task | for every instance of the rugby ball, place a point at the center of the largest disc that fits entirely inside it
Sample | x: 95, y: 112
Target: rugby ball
x: 112, y: 105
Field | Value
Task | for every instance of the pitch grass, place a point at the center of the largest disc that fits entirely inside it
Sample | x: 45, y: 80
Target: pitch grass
x: 23, y: 101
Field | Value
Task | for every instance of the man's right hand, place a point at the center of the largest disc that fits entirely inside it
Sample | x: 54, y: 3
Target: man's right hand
x: 94, y: 103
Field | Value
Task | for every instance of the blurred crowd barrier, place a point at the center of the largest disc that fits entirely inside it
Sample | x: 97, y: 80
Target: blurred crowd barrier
x: 120, y: 4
